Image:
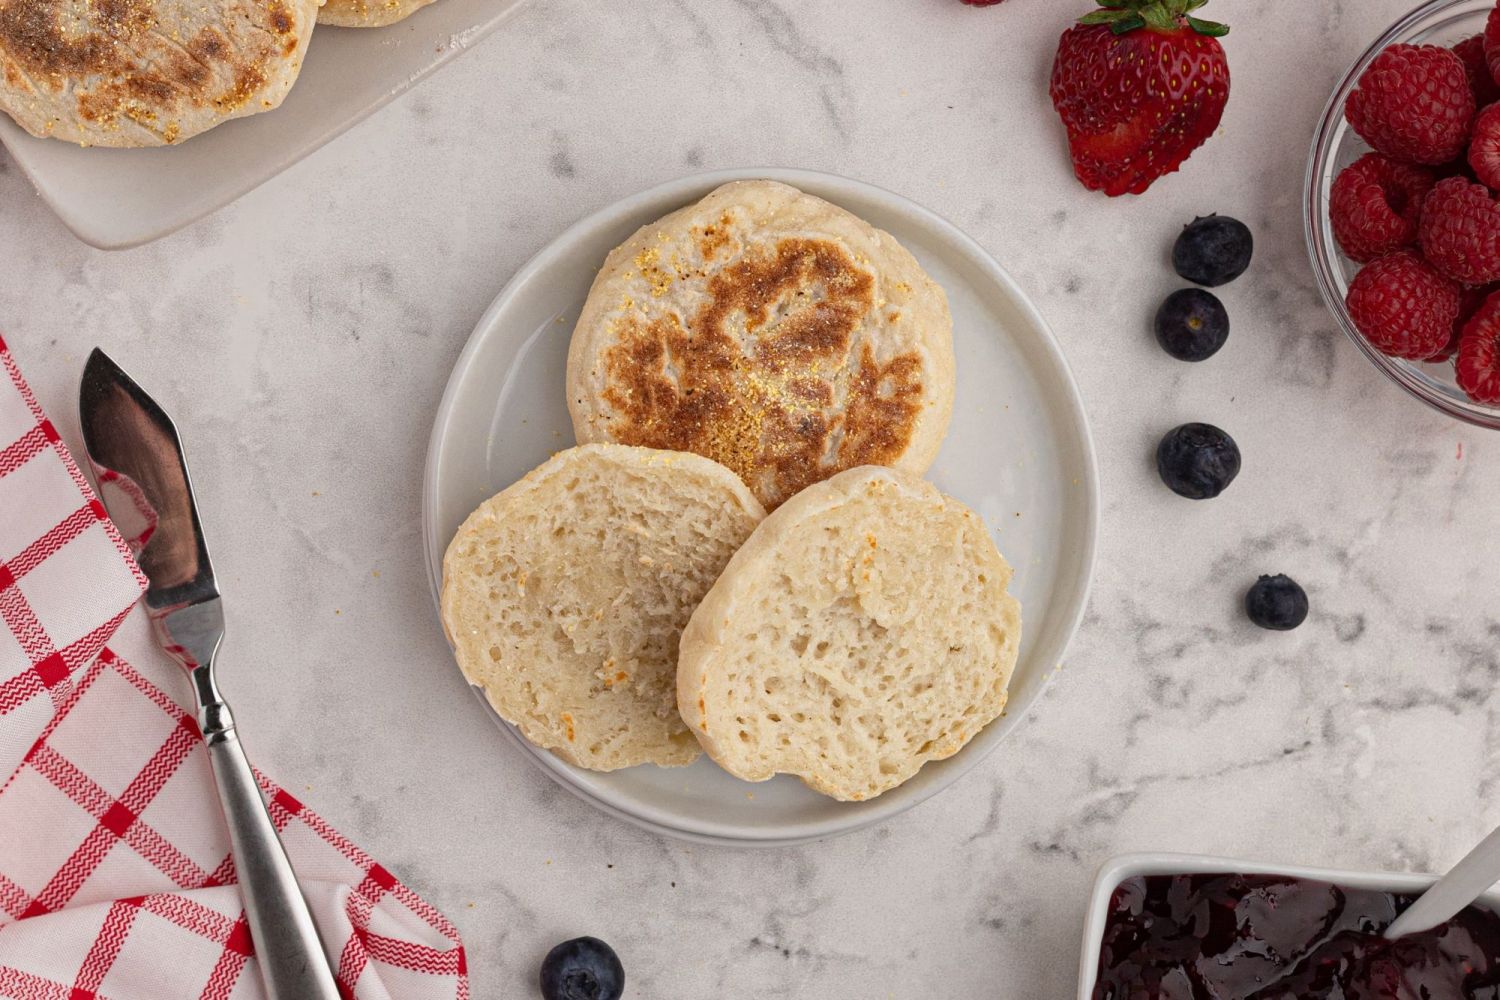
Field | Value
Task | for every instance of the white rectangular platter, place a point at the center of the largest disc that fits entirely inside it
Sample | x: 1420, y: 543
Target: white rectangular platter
x: 117, y: 198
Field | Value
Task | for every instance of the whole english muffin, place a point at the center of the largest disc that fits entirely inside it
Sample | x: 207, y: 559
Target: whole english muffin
x: 565, y: 594
x: 368, y: 13
x: 770, y: 331
x: 862, y: 630
x: 146, y: 72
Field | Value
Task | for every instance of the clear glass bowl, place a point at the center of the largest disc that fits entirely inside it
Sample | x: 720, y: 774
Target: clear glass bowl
x: 1335, y: 146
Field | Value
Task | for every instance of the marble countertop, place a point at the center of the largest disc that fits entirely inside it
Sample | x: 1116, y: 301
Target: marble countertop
x: 304, y: 336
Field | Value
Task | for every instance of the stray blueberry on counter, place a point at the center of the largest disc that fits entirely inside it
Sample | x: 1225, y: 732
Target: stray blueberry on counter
x: 1192, y: 325
x: 1213, y: 251
x: 1277, y: 603
x: 582, y: 969
x: 1197, y: 461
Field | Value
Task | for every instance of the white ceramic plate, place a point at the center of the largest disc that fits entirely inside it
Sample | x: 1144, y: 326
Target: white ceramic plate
x: 116, y: 198
x: 1117, y: 870
x: 1019, y: 453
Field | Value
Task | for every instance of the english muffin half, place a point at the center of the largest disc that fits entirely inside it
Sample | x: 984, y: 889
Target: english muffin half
x: 368, y: 13
x: 146, y: 72
x: 863, y: 630
x: 770, y: 331
x: 564, y: 597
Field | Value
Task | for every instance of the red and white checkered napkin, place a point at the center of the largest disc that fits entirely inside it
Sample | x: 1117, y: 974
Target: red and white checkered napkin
x: 115, y: 875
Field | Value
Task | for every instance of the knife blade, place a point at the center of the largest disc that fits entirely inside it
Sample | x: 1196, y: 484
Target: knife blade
x: 133, y: 444
x: 131, y: 440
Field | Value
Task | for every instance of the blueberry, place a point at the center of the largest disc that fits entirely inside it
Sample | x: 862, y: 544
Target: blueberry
x: 582, y: 969
x: 1192, y: 325
x: 1213, y: 251
x: 1276, y: 602
x: 1197, y: 461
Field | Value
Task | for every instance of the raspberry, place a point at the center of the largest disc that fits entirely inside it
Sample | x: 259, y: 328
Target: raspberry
x: 1414, y: 103
x: 1469, y: 301
x: 1403, y: 306
x: 1460, y: 231
x: 1484, y: 148
x: 1492, y: 42
x: 1479, y: 354
x: 1375, y: 205
x: 1481, y: 80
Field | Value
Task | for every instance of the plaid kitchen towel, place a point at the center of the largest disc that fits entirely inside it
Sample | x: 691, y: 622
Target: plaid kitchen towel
x: 115, y: 876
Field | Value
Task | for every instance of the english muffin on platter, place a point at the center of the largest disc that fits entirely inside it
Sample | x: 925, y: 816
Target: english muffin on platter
x: 771, y: 331
x: 864, y: 629
x: 564, y: 597
x: 146, y: 72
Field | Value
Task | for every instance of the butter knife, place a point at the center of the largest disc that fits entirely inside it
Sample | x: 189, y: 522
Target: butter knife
x: 128, y: 436
x: 1471, y: 878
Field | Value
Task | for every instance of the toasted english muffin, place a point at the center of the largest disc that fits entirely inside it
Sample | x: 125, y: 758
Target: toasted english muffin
x: 770, y: 331
x: 862, y: 630
x: 146, y: 72
x: 564, y: 596
x: 368, y: 13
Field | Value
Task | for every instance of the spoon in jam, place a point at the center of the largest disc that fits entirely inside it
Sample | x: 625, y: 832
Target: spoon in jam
x: 1466, y: 882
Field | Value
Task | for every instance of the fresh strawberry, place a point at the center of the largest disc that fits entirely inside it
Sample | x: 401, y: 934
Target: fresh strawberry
x: 1460, y: 231
x: 1139, y: 84
x: 1478, y: 361
x: 1403, y: 306
x: 1413, y: 104
x: 1484, y: 147
x: 1375, y: 204
x: 1477, y: 66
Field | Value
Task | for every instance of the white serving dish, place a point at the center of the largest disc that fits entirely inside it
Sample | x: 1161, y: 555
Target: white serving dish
x: 1018, y: 452
x: 1118, y: 869
x: 117, y: 198
x: 1335, y: 146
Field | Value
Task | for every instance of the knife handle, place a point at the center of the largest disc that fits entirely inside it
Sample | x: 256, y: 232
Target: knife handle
x: 293, y: 964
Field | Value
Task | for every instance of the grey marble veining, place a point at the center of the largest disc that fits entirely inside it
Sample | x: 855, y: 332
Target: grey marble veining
x: 306, y: 333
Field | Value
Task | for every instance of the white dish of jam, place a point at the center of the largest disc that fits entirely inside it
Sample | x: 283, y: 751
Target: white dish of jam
x: 1189, y: 927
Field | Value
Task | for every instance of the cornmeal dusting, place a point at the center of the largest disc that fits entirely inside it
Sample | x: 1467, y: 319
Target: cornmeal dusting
x: 769, y: 376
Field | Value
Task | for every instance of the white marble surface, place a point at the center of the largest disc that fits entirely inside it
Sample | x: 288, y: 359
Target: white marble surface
x: 303, y: 337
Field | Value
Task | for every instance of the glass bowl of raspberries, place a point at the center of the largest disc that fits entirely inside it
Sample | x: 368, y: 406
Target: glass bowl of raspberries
x: 1403, y: 206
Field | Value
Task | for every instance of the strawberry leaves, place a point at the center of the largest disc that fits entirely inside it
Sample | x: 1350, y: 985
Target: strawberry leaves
x: 1213, y: 29
x: 1124, y: 16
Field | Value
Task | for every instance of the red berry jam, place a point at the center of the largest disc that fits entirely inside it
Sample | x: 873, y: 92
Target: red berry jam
x: 1254, y: 937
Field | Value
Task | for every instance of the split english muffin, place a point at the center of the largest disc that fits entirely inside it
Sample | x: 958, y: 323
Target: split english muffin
x: 862, y: 630
x: 146, y: 72
x: 564, y: 597
x: 770, y: 331
x: 368, y: 13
